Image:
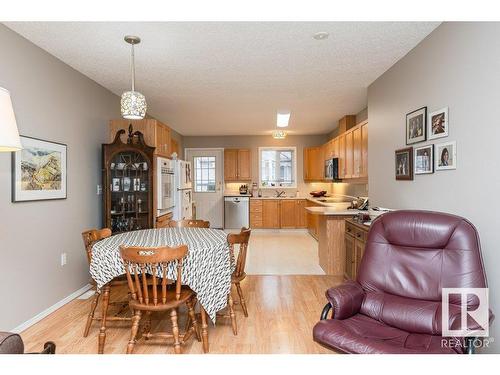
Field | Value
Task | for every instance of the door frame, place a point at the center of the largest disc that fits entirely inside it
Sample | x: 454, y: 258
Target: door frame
x: 222, y: 169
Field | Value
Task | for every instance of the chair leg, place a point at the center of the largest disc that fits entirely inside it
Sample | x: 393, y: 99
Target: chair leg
x: 204, y: 330
x: 90, y: 317
x: 147, y: 325
x: 242, y: 299
x: 192, y: 318
x: 175, y: 331
x: 102, y: 331
x: 133, y: 333
x: 231, y: 314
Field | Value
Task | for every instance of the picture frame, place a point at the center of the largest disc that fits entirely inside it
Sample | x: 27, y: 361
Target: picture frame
x: 126, y: 184
x: 404, y: 164
x: 446, y: 156
x: 424, y: 159
x: 116, y: 184
x: 416, y: 126
x: 39, y: 170
x: 438, y: 124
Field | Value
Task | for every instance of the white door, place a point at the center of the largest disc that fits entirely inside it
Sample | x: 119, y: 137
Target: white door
x: 208, y: 194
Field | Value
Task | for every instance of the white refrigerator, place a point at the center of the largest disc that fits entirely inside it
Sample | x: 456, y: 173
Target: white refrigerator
x: 184, y: 191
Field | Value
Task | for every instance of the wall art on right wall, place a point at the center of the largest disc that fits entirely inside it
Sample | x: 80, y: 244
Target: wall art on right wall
x: 438, y: 124
x: 446, y: 156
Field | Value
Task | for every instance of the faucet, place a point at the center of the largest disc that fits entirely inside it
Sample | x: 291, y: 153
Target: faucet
x: 280, y: 194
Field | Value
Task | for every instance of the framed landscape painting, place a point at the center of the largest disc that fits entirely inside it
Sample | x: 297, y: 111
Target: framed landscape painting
x: 39, y: 171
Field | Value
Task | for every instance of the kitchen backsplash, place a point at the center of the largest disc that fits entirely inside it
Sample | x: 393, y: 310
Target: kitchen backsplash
x: 305, y: 188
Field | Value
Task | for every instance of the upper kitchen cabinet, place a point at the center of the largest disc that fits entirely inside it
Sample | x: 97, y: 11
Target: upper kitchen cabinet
x: 155, y: 133
x: 237, y: 165
x: 364, y: 149
x: 356, y: 139
x: 314, y: 162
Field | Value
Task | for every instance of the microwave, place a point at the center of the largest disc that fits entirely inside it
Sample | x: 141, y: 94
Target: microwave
x: 332, y: 169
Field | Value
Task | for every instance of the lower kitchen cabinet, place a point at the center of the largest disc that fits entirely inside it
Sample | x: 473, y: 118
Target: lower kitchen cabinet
x: 355, y: 240
x: 312, y: 221
x: 278, y: 213
x: 270, y: 213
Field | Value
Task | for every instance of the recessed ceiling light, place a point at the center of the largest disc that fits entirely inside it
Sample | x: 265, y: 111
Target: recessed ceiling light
x: 321, y: 35
x: 282, y: 119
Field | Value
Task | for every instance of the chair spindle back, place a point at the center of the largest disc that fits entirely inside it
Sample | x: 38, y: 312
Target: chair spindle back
x: 189, y: 224
x: 241, y: 239
x: 139, y: 260
x: 92, y: 236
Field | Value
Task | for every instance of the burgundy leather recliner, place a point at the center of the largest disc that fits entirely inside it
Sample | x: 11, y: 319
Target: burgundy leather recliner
x: 394, y: 306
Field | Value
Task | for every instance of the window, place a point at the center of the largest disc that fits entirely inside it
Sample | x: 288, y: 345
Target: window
x: 277, y: 167
x: 204, y: 174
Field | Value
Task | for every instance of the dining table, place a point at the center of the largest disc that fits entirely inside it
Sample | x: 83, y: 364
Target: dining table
x: 207, y: 267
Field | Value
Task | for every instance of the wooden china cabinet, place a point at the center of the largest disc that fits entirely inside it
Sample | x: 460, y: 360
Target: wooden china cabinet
x: 127, y: 183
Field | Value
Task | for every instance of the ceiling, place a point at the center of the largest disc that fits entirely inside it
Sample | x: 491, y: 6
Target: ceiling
x: 230, y: 78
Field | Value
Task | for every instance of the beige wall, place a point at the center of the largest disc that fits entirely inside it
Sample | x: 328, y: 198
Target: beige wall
x: 456, y: 66
x: 256, y: 141
x: 53, y: 102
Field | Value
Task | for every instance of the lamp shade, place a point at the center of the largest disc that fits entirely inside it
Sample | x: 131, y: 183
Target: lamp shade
x: 133, y: 105
x: 9, y: 135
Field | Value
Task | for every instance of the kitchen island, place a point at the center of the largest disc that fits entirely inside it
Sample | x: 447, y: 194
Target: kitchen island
x: 331, y: 245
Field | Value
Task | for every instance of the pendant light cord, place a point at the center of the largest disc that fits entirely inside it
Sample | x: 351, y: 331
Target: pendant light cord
x: 132, y: 67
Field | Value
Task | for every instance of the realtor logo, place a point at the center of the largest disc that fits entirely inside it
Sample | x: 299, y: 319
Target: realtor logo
x: 466, y: 323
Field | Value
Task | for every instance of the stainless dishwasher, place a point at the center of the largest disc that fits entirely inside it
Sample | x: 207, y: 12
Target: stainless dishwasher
x: 236, y: 212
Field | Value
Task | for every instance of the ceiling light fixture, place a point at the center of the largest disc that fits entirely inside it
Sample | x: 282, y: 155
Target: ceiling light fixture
x: 133, y: 103
x: 282, y: 119
x: 279, y: 134
x: 322, y: 35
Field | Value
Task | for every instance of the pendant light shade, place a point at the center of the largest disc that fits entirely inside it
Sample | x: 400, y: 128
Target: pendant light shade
x: 9, y: 135
x: 133, y: 103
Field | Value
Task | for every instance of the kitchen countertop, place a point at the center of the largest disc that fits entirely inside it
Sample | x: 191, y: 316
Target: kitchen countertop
x: 331, y: 211
x: 236, y: 195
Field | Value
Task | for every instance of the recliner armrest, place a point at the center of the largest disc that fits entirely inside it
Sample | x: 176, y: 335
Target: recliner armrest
x: 346, y: 299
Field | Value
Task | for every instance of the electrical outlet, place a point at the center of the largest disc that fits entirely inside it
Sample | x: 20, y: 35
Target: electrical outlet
x: 64, y: 259
x: 99, y: 189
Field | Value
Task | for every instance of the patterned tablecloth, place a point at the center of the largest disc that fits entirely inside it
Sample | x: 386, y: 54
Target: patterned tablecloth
x: 206, y: 269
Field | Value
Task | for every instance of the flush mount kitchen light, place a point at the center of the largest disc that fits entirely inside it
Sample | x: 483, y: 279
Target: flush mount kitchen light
x: 321, y: 35
x: 282, y: 119
x: 133, y: 103
x: 279, y: 134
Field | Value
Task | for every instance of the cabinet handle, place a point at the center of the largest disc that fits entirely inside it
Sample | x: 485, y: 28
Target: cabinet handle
x: 348, y: 230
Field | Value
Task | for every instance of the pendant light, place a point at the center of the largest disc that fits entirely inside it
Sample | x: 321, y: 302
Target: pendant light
x: 133, y: 103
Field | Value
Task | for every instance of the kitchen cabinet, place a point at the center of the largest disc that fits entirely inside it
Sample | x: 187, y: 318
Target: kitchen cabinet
x: 174, y: 147
x: 356, y: 152
x: 278, y: 213
x: 341, y: 155
x: 155, y: 133
x: 355, y: 241
x: 364, y: 149
x: 349, y: 155
x: 314, y: 163
x: 312, y: 220
x: 256, y: 213
x: 237, y: 165
x: 270, y: 213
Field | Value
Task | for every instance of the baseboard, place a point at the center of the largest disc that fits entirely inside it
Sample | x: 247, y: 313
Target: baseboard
x: 50, y: 310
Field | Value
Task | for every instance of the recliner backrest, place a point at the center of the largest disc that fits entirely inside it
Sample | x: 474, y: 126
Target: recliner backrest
x: 409, y: 257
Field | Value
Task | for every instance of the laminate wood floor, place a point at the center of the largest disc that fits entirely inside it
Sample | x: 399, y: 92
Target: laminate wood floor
x: 282, y: 312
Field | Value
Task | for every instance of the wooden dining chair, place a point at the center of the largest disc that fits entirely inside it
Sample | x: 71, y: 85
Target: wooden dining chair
x: 160, y: 296
x: 238, y: 239
x: 90, y: 237
x: 189, y: 224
